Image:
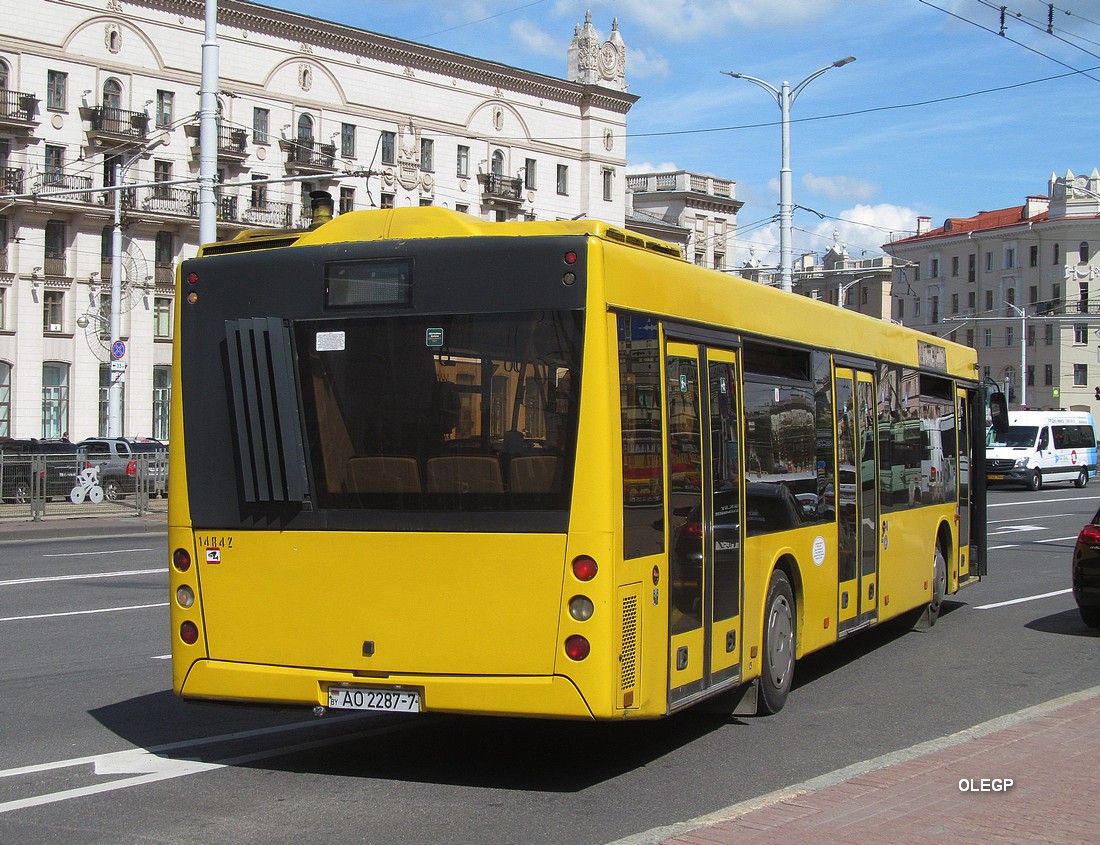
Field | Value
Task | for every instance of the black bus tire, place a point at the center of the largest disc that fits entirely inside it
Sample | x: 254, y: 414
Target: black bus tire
x: 777, y: 669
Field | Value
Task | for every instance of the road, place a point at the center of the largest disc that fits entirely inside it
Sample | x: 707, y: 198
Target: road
x: 92, y: 741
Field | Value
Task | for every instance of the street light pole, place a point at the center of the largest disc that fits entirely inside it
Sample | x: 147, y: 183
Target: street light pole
x: 784, y: 97
x: 1023, y: 352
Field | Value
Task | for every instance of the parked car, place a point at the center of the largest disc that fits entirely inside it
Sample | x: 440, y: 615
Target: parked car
x: 118, y: 460
x: 57, y: 462
x: 1086, y: 572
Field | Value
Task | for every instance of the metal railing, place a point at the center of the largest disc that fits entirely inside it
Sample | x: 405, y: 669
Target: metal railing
x: 134, y: 124
x: 17, y: 104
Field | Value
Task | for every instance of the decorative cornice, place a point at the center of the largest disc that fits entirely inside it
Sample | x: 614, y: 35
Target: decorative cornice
x: 363, y: 43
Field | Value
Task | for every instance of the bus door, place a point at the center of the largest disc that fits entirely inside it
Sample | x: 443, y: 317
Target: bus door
x: 968, y: 564
x: 705, y: 554
x: 857, y: 500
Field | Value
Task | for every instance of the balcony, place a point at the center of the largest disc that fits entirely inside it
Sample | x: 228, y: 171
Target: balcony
x: 17, y: 111
x: 232, y: 143
x: 109, y: 126
x: 309, y: 158
x: 11, y: 180
x: 500, y: 189
x: 168, y: 200
x: 274, y: 214
x: 78, y: 188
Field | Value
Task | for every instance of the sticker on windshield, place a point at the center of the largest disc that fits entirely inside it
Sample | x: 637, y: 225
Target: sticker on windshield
x: 330, y: 342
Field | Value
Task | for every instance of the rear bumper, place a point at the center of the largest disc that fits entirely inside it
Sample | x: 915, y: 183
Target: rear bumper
x: 548, y: 696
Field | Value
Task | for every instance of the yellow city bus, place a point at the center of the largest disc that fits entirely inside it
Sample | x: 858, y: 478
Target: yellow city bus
x: 425, y: 463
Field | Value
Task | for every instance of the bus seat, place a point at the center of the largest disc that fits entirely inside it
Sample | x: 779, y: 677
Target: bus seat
x: 383, y: 474
x: 464, y: 474
x: 533, y: 473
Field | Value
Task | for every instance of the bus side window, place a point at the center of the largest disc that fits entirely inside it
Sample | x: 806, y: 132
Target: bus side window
x: 1044, y: 437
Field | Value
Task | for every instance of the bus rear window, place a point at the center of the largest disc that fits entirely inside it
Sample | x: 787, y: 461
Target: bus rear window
x: 440, y: 413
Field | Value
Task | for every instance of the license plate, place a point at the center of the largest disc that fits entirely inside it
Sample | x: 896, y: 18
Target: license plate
x: 365, y: 698
x: 996, y: 478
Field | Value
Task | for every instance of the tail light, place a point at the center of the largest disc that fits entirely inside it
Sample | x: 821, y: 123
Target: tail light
x: 1089, y: 536
x: 576, y: 647
x: 131, y: 468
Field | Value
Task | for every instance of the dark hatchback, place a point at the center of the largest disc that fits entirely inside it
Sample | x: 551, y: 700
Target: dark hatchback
x: 55, y: 461
x: 1086, y: 572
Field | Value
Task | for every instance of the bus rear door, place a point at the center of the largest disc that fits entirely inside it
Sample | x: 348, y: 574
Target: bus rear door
x: 705, y: 556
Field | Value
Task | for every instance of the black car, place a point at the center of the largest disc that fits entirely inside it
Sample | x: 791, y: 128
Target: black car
x: 1086, y: 572
x: 55, y: 462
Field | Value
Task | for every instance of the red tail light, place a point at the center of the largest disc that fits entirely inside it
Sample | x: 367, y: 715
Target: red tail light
x: 131, y: 468
x: 189, y: 633
x: 577, y: 647
x: 584, y: 568
x: 1090, y: 535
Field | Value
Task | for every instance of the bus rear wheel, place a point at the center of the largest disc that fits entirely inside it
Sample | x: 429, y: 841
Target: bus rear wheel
x: 777, y: 671
x: 939, y: 586
x: 1082, y: 479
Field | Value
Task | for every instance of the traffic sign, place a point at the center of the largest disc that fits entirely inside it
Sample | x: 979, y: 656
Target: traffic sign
x: 118, y: 349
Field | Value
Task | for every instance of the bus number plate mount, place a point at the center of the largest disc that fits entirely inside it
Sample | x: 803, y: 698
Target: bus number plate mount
x: 366, y: 698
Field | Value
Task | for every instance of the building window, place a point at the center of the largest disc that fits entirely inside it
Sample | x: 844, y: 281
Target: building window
x: 165, y: 101
x: 162, y: 172
x: 1031, y: 335
x: 934, y: 267
x: 1010, y: 336
x: 55, y: 165
x: 1048, y: 374
x: 971, y: 267
x: 1010, y: 257
x: 935, y: 303
x: 463, y: 167
x: 901, y: 309
x: 989, y: 262
x: 608, y: 183
x: 954, y: 303
x: 5, y: 399
x: 1057, y: 253
x: 563, y: 179
x: 55, y: 399
x: 970, y: 338
x: 427, y: 155
x: 1033, y: 256
x: 347, y: 140
x: 389, y: 148
x: 530, y: 174
x: 1083, y: 297
x: 261, y: 120
x: 1080, y: 375
x: 259, y: 191
x: 1080, y: 334
x: 162, y: 317
x: 305, y: 132
x: 989, y: 300
x: 987, y: 338
x: 462, y: 208
x: 57, y: 86
x: 1030, y: 375
x: 112, y: 97
x: 955, y: 266
x: 971, y: 300
x: 386, y: 200
x: 164, y: 249
x: 1048, y: 335
x: 347, y: 200
x: 55, y: 248
x: 1083, y: 252
x: 162, y: 401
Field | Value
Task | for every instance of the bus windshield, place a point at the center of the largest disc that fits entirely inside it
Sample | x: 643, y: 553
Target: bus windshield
x: 442, y: 412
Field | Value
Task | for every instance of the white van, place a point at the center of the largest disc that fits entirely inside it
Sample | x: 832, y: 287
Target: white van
x: 1043, y: 446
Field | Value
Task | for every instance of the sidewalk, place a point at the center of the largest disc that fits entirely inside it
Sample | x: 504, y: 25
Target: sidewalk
x: 1028, y: 777
x: 55, y: 527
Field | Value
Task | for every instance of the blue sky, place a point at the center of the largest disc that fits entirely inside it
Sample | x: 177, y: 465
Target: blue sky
x: 940, y: 115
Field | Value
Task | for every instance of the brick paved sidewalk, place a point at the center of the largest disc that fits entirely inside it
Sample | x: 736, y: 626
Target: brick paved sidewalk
x: 1029, y: 777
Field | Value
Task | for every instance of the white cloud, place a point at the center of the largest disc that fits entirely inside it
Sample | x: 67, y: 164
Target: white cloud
x: 649, y: 167
x: 535, y: 39
x: 645, y: 64
x: 840, y: 187
x: 864, y: 228
x: 686, y: 20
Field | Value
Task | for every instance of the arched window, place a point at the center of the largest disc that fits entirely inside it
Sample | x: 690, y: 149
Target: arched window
x: 305, y: 130
x: 498, y: 163
x: 1083, y: 252
x: 112, y: 94
x: 3, y: 76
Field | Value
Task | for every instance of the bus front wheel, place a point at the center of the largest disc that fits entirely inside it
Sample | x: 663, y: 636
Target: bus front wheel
x: 779, y: 644
x: 939, y: 586
x: 1035, y: 482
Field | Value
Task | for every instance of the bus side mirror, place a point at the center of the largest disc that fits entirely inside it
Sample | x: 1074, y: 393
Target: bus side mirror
x: 998, y: 412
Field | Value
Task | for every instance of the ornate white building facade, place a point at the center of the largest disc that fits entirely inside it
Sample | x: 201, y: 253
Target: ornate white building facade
x: 305, y: 104
x: 1021, y: 285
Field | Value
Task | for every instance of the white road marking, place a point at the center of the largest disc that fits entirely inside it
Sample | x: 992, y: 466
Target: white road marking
x: 46, y: 579
x: 1021, y: 601
x: 81, y: 612
x: 104, y: 552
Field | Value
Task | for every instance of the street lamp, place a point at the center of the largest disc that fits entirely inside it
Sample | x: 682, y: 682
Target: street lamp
x: 842, y: 289
x: 114, y: 385
x: 784, y: 97
x: 1023, y: 352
